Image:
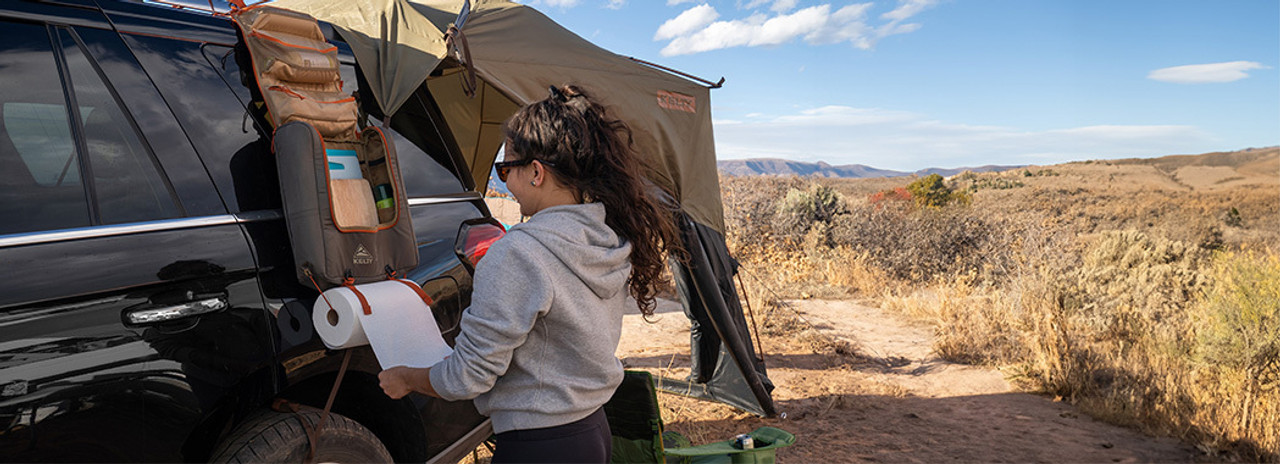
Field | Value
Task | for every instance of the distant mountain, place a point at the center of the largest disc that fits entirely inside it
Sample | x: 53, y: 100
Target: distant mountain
x: 1249, y: 160
x: 953, y: 171
x: 774, y: 166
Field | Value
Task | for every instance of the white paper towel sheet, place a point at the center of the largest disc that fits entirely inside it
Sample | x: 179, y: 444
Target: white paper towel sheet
x: 401, y: 328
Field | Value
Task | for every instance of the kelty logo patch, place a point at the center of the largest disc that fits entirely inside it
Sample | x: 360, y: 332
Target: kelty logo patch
x: 677, y: 101
x: 362, y: 255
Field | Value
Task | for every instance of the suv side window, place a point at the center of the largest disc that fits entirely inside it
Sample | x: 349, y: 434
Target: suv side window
x: 235, y: 151
x: 40, y: 187
x: 127, y: 183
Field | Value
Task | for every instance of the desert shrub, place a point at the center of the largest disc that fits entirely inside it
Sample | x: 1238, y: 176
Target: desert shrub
x: 1039, y: 173
x: 1232, y: 218
x: 750, y: 204
x: 932, y: 191
x: 915, y: 245
x: 993, y: 183
x: 804, y: 210
x: 1131, y: 284
x: 1241, y: 330
x: 898, y: 195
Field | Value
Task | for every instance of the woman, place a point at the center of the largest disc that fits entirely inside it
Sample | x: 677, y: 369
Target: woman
x: 537, y: 345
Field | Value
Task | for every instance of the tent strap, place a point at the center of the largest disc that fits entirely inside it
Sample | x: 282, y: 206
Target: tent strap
x: 456, y: 42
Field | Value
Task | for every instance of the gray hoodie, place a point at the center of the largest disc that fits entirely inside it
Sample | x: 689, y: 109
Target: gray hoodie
x: 537, y: 343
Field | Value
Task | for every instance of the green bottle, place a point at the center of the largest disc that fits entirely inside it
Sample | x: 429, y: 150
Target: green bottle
x: 383, y: 196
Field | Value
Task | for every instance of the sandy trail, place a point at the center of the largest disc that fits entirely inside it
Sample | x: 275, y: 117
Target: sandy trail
x: 888, y: 399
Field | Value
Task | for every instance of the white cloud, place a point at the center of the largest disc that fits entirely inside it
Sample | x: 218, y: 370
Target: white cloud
x: 690, y: 20
x: 836, y: 115
x: 782, y: 6
x: 891, y: 139
x: 755, y: 30
x: 677, y: 2
x: 907, y: 9
x: 848, y: 24
x: 616, y: 4
x: 1205, y: 73
x: 815, y: 25
x: 777, y: 6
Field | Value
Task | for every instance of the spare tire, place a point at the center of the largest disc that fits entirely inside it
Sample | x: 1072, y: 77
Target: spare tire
x: 271, y: 437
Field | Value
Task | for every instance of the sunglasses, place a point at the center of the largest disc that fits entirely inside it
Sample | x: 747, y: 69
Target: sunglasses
x: 504, y: 167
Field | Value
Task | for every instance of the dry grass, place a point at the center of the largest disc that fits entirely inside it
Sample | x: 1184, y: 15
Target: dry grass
x: 1144, y: 292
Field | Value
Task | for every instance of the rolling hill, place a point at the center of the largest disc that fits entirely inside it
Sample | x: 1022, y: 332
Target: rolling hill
x: 782, y: 167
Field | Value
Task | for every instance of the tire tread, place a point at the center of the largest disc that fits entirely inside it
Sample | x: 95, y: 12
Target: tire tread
x: 265, y: 435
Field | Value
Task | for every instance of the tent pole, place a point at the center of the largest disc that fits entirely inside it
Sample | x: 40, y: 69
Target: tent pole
x: 712, y: 85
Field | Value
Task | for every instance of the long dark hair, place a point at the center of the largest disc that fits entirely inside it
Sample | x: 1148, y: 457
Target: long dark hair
x: 594, y: 154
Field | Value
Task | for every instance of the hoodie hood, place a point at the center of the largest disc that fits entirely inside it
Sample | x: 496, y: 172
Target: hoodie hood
x: 578, y: 236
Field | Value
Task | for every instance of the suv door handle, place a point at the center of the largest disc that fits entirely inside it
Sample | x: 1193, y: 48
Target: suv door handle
x: 169, y: 313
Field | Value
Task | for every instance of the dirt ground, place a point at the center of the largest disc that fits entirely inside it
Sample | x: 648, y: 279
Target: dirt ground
x: 859, y: 384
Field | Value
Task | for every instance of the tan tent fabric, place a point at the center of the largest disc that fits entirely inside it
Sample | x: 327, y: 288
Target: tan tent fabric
x: 392, y: 39
x: 518, y: 52
x: 476, y: 122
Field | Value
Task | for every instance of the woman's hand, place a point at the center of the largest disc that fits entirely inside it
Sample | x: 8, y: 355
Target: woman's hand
x: 394, y: 383
x: 399, y: 381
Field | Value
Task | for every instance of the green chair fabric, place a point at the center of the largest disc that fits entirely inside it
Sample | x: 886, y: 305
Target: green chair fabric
x: 636, y: 424
x: 635, y: 420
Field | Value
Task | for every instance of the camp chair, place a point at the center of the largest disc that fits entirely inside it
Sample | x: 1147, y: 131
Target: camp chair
x: 636, y: 424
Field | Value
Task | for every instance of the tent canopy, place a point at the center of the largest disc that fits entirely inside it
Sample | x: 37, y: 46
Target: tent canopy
x: 517, y: 53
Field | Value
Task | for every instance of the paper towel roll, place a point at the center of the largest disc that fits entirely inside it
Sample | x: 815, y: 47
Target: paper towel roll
x: 353, y: 204
x: 401, y: 328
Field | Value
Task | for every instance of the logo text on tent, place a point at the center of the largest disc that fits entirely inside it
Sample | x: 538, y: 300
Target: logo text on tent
x: 362, y: 256
x: 677, y: 101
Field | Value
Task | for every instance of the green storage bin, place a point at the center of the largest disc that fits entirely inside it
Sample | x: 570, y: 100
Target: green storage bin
x: 767, y: 441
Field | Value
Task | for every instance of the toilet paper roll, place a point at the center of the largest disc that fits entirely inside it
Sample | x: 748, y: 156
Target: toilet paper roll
x: 353, y: 204
x: 400, y: 328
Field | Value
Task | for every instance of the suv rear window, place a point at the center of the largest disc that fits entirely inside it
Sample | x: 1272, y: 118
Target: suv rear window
x: 127, y: 183
x: 42, y: 185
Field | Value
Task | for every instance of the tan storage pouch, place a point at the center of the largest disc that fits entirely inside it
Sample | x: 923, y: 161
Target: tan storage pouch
x: 286, y: 21
x: 344, y: 223
x: 335, y: 119
x: 297, y: 72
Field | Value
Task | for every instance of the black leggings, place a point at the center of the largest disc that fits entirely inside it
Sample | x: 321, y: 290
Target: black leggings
x: 587, y: 440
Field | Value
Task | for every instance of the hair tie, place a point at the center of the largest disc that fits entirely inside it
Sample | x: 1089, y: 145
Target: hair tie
x: 557, y: 94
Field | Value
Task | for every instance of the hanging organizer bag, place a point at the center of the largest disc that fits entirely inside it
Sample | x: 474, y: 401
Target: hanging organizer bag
x: 344, y: 201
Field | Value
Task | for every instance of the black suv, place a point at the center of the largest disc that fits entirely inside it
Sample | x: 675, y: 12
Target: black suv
x: 137, y: 188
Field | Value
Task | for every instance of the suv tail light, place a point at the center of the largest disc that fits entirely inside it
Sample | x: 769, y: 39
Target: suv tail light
x: 475, y: 239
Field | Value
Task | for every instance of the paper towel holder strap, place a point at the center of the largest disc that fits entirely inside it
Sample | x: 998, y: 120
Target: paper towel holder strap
x: 350, y: 283
x: 417, y: 289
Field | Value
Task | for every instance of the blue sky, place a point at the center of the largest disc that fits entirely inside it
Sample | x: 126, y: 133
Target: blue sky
x: 910, y: 84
